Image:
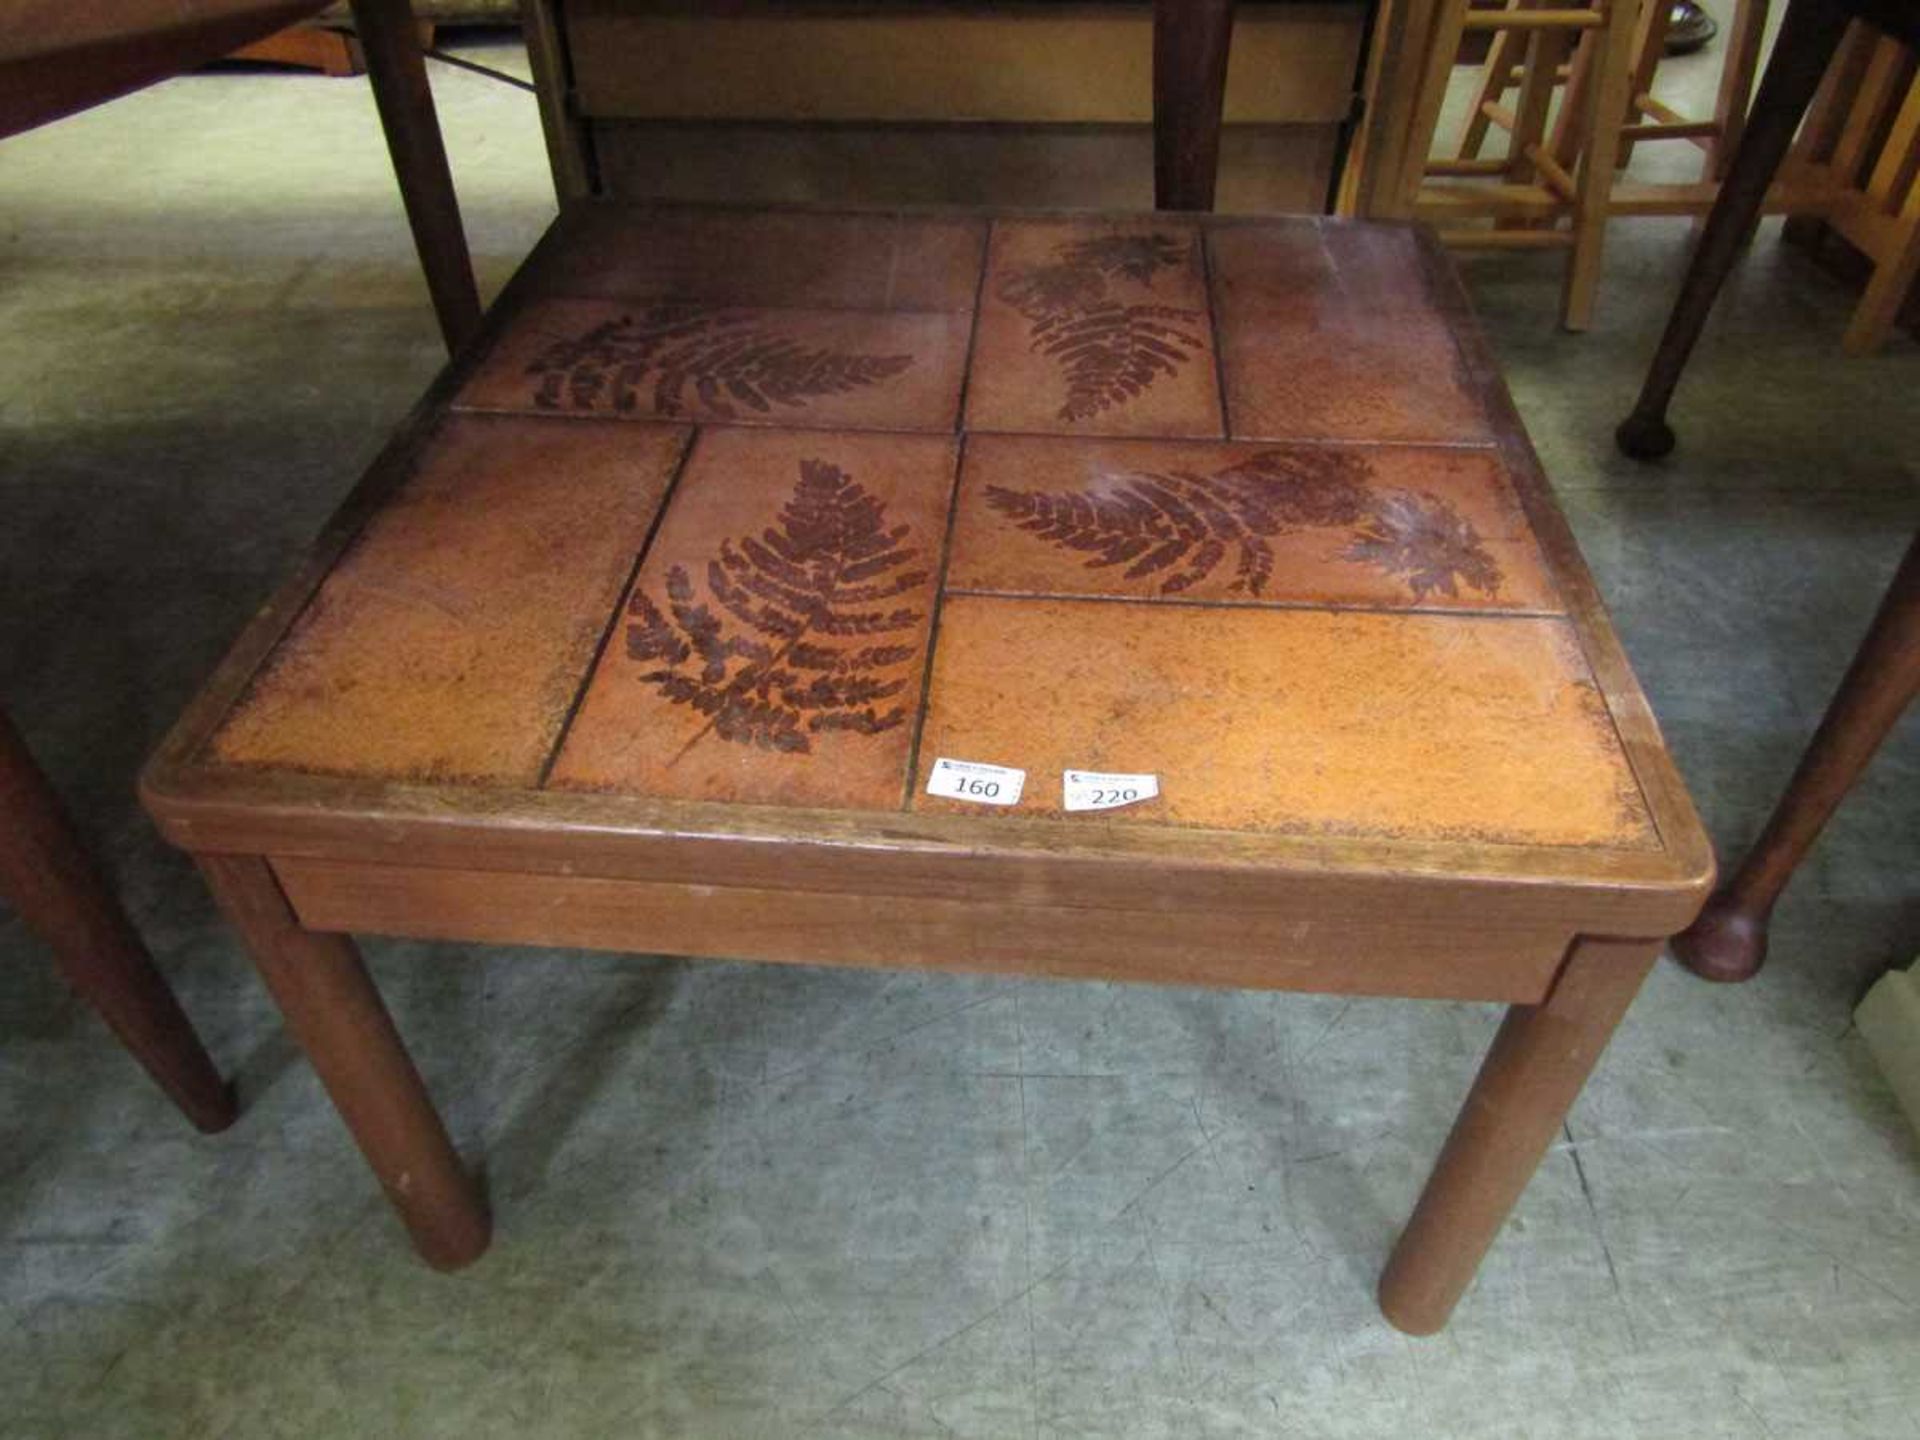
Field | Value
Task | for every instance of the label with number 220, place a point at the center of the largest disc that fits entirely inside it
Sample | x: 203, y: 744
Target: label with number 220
x: 1091, y: 790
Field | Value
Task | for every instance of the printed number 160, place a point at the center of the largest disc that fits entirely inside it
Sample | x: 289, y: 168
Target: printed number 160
x: 986, y: 789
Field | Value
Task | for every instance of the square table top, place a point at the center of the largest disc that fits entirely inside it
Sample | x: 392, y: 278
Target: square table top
x: 736, y: 523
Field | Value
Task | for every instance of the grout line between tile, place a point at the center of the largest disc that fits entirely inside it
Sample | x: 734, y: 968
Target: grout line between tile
x: 933, y: 627
x: 973, y: 330
x: 619, y: 606
x: 1205, y: 242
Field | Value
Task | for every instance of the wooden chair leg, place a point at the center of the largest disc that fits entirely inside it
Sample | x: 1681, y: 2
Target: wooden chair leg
x: 1729, y: 940
x: 1519, y: 1101
x: 1606, y: 114
x: 48, y: 877
x: 399, y: 76
x: 335, y: 1012
x: 1191, y: 41
x: 1809, y: 35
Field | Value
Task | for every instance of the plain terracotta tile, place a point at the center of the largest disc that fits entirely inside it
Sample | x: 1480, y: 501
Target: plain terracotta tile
x: 664, y: 714
x: 1415, y: 726
x: 797, y: 259
x: 858, y: 369
x: 1327, y: 331
x: 1094, y: 327
x: 451, y: 640
x: 1287, y: 524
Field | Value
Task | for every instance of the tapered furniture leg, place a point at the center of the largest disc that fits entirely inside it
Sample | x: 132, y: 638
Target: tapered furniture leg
x: 1539, y: 1060
x: 335, y: 1012
x: 48, y: 877
x: 1809, y: 35
x: 1729, y: 940
x: 1191, y: 39
x: 399, y: 76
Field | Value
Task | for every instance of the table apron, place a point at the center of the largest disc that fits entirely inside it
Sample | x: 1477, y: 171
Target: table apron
x: 1270, y: 950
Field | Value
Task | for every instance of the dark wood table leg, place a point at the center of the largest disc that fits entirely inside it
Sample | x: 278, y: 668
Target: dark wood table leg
x: 336, y: 1014
x: 1191, y: 39
x: 1518, y: 1104
x: 48, y: 877
x: 1808, y: 37
x: 399, y: 77
x: 1729, y: 940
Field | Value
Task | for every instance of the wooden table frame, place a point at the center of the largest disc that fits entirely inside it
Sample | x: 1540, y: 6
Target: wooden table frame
x: 299, y: 862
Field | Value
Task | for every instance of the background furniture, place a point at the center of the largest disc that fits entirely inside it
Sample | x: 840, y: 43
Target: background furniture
x: 1729, y: 940
x: 1809, y: 37
x: 1398, y: 748
x: 1854, y: 175
x: 48, y: 878
x: 56, y: 58
x: 1555, y: 184
x: 969, y: 101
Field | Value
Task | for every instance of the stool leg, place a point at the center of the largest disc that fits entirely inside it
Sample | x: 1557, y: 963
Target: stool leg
x: 1538, y: 1062
x: 1729, y: 940
x: 335, y: 1012
x: 1808, y: 37
x: 1191, y: 39
x: 46, y: 874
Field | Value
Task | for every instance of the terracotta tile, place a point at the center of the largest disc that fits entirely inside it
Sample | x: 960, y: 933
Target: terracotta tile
x: 858, y: 369
x: 450, y: 641
x: 1327, y: 331
x: 1094, y: 327
x: 1411, y: 726
x: 727, y: 679
x: 798, y: 259
x: 1286, y: 524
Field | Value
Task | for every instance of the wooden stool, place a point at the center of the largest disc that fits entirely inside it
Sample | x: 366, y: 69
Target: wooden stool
x: 1855, y: 172
x: 1569, y: 178
x: 1144, y: 598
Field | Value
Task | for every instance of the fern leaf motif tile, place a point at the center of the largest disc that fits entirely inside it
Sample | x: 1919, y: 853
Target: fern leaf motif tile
x: 1327, y: 332
x: 773, y: 646
x: 451, y: 639
x: 678, y: 359
x: 1094, y: 328
x: 1438, y: 727
x: 1278, y: 524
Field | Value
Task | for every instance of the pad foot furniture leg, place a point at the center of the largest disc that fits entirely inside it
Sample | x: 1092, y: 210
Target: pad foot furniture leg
x: 333, y: 1009
x: 1808, y: 37
x: 1729, y: 940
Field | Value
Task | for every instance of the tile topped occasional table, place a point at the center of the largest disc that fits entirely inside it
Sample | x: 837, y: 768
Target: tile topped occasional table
x: 651, y: 629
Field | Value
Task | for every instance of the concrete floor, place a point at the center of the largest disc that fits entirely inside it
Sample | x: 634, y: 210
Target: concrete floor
x: 746, y: 1201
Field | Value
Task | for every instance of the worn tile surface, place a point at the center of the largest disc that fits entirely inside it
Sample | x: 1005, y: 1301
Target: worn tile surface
x: 450, y: 641
x: 1337, y: 340
x: 796, y: 259
x: 1405, y: 726
x: 1244, y: 523
x: 773, y: 646
x: 757, y: 1203
x: 1096, y: 327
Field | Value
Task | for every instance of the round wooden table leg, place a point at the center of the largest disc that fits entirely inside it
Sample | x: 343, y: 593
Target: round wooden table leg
x: 1191, y: 39
x: 1729, y: 940
x: 1539, y: 1060
x: 47, y: 875
x: 335, y: 1012
x: 1809, y: 35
